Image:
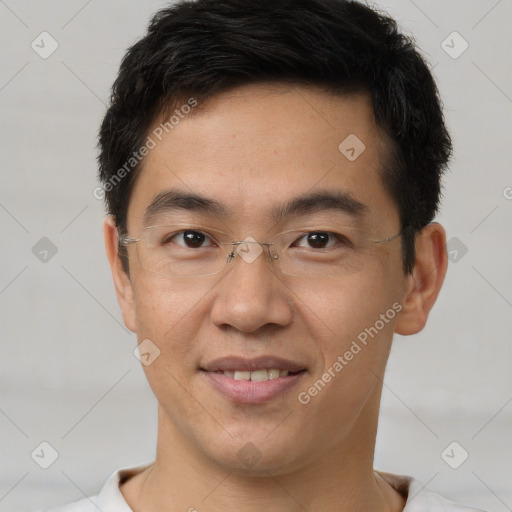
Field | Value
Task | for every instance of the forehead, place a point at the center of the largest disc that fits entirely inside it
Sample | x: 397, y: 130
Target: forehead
x: 257, y: 147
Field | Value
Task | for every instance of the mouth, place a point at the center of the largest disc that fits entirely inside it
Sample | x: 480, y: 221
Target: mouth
x: 252, y: 381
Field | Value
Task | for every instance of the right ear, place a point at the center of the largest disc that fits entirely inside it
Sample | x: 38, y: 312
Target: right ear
x: 122, y: 283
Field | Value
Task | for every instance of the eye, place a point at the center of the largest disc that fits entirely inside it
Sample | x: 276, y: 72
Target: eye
x: 321, y: 240
x: 189, y: 238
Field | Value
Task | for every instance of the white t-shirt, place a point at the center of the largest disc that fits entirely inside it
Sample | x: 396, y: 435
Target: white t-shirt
x: 110, y: 498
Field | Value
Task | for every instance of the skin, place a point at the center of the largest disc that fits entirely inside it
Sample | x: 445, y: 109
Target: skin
x: 250, y: 149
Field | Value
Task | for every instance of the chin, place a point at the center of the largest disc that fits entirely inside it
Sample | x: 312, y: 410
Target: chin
x: 256, y: 458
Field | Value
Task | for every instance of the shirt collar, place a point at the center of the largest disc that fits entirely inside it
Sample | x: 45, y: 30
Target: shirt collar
x: 110, y: 497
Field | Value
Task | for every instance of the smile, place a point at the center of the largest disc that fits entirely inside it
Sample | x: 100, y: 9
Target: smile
x: 256, y: 376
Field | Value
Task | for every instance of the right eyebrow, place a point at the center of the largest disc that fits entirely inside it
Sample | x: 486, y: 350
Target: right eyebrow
x: 174, y: 200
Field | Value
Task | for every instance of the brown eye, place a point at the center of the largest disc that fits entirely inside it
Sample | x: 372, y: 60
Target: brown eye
x: 193, y: 238
x: 321, y: 240
x: 318, y: 239
x: 189, y: 238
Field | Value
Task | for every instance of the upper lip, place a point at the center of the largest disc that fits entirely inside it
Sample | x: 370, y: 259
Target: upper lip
x: 234, y: 363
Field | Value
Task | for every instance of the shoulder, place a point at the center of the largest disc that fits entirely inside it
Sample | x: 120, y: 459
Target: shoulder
x: 435, y: 502
x: 420, y: 499
x: 109, y: 499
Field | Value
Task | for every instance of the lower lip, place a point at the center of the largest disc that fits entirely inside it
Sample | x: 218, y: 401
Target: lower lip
x: 249, y: 392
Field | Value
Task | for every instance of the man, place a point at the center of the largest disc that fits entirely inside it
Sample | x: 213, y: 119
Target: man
x: 271, y: 171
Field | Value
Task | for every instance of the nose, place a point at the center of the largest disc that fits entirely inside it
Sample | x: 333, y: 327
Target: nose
x: 252, y: 294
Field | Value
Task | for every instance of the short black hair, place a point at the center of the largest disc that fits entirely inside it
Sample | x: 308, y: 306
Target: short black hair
x: 204, y: 47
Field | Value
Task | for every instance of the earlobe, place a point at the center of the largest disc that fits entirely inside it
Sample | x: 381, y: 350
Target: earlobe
x: 122, y: 283
x: 425, y: 282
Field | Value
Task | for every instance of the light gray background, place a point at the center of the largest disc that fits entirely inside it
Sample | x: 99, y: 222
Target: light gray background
x: 68, y: 374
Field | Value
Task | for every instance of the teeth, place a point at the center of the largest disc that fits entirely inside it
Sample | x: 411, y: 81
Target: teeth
x: 273, y: 374
x: 258, y: 375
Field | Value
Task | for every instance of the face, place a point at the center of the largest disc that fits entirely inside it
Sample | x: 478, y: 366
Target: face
x: 251, y: 151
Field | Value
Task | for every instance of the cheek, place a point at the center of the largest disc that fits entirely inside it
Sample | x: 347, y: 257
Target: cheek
x: 170, y: 314
x: 352, y: 320
x: 340, y: 309
x: 352, y: 341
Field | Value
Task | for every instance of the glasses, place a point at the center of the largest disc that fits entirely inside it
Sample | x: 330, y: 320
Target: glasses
x: 184, y: 250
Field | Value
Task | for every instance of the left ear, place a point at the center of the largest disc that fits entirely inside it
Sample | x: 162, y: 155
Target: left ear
x: 424, y: 284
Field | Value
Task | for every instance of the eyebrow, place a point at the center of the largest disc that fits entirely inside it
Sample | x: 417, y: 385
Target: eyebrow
x: 324, y: 200
x: 321, y: 201
x: 175, y: 200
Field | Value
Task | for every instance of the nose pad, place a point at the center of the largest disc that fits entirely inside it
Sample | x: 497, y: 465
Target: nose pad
x: 249, y: 250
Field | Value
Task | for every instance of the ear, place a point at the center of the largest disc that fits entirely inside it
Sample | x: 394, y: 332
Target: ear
x: 121, y: 279
x: 424, y: 284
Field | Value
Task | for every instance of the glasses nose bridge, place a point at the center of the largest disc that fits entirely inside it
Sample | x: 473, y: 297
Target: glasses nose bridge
x: 249, y: 250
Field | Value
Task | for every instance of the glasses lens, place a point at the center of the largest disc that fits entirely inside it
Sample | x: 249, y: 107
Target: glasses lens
x: 179, y: 250
x: 321, y: 253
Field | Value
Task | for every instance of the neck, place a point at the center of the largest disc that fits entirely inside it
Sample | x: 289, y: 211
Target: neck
x: 341, y: 479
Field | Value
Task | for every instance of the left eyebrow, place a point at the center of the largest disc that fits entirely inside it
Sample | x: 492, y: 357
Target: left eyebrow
x: 340, y: 201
